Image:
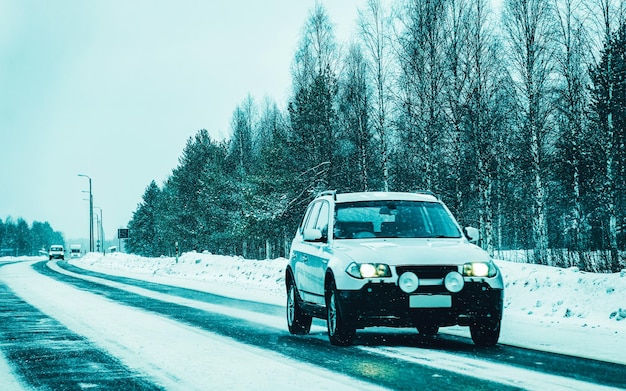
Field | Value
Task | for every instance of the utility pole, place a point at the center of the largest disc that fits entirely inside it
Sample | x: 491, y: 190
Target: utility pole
x: 90, y: 213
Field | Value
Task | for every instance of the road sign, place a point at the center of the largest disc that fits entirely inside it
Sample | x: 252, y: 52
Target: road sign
x: 122, y: 233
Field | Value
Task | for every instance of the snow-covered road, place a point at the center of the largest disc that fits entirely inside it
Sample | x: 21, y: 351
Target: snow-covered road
x: 177, y: 356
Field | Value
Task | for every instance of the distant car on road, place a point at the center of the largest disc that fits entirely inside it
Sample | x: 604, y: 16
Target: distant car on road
x: 56, y: 252
x: 390, y: 259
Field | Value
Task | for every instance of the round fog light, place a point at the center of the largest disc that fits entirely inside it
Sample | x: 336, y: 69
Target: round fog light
x: 408, y: 282
x: 454, y: 282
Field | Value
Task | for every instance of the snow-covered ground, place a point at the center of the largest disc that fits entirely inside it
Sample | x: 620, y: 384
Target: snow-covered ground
x: 546, y: 308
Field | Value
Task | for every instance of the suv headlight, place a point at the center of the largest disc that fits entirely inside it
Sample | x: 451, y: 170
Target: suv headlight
x: 479, y: 269
x: 368, y: 270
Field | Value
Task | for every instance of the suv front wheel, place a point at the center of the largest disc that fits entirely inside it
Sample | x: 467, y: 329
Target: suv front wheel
x: 485, y: 331
x: 297, y: 321
x: 340, y: 331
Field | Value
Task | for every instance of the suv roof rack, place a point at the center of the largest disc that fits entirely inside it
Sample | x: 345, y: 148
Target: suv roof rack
x: 329, y: 193
x: 426, y: 192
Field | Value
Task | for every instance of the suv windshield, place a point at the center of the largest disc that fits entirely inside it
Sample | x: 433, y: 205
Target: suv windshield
x: 393, y: 219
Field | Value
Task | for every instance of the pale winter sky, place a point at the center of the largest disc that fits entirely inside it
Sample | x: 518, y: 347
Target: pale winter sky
x: 114, y: 88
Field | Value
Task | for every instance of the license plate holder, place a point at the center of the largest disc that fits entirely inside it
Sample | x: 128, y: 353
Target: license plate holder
x: 430, y: 301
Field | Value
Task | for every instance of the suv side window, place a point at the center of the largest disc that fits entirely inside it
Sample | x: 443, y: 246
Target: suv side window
x: 323, y: 219
x: 311, y: 217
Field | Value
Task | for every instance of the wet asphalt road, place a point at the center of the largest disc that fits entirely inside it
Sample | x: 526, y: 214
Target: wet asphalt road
x: 48, y: 356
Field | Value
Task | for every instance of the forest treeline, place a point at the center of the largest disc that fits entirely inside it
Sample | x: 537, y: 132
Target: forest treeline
x: 17, y: 238
x: 515, y: 117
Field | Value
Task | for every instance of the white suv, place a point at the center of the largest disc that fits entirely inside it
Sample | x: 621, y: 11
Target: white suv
x: 390, y: 259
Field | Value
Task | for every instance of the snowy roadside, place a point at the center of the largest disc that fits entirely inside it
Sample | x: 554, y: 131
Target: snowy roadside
x: 546, y: 308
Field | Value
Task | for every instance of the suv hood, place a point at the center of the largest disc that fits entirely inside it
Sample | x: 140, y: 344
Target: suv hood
x: 411, y: 251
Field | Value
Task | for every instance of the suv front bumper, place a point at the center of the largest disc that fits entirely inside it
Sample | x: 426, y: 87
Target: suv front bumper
x: 383, y: 304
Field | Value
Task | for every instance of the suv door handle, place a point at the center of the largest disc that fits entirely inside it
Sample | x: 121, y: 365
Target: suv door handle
x: 305, y: 258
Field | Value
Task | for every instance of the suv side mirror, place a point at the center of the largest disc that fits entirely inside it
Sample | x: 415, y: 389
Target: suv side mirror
x: 472, y: 234
x: 312, y: 235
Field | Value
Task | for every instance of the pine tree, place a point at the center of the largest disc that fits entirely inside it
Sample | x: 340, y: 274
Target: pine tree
x: 609, y: 107
x: 147, y: 238
x: 186, y: 186
x: 23, y: 238
x: 313, y: 131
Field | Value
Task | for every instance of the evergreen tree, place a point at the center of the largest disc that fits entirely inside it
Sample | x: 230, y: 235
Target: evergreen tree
x: 186, y: 185
x: 313, y: 139
x: 220, y: 196
x: 609, y: 108
x: 20, y: 239
x: 23, y: 238
x: 272, y: 218
x: 42, y: 236
x: 146, y: 238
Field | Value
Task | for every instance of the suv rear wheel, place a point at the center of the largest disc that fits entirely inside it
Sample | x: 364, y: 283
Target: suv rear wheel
x: 298, y: 322
x: 340, y: 331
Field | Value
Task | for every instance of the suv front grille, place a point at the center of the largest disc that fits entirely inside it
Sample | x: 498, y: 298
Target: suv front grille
x: 427, y: 272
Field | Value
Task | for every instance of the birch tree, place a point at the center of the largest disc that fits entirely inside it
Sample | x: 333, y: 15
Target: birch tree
x: 458, y: 22
x: 422, y: 124
x: 242, y: 135
x: 529, y: 25
x: 374, y: 29
x: 484, y: 115
x: 573, y: 60
x: 317, y: 50
x: 355, y: 136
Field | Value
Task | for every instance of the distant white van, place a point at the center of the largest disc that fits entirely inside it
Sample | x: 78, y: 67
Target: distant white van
x: 56, y: 252
x: 75, y: 251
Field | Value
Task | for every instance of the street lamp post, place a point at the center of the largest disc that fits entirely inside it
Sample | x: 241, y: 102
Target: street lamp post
x: 90, y: 213
x: 101, y: 230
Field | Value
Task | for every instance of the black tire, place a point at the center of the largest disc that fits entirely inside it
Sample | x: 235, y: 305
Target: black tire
x: 298, y: 322
x: 340, y: 331
x: 428, y: 330
x: 485, y: 331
